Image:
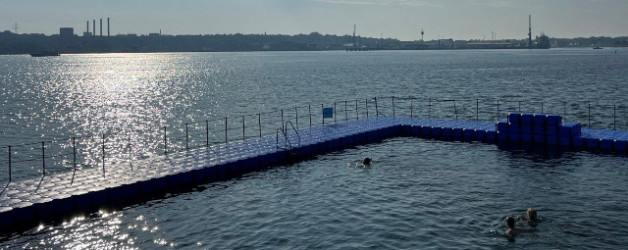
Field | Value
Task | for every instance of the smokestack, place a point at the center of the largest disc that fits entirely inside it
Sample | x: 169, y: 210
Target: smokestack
x: 101, y: 27
x: 94, y: 27
x: 87, y: 26
x: 530, y: 31
x: 108, y: 27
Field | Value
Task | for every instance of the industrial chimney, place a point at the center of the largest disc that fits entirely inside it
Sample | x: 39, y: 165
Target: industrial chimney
x: 530, y: 31
x: 108, y: 27
x: 87, y: 27
x: 101, y: 27
x: 94, y: 27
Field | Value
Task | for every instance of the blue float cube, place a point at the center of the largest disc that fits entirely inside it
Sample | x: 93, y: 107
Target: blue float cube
x: 514, y: 137
x: 539, y: 119
x: 527, y: 118
x: 514, y: 118
x: 591, y: 143
x: 468, y: 133
x: 607, y: 144
x: 539, y: 139
x: 552, y: 140
x: 502, y: 136
x: 621, y: 145
x: 526, y: 138
x: 446, y: 132
x: 436, y: 131
x: 551, y: 130
x: 426, y: 130
x: 554, y: 120
x: 457, y: 133
x: 480, y: 134
x: 577, y: 142
x: 564, y: 141
x: 502, y: 126
x: 538, y: 129
x: 514, y: 128
x: 526, y: 128
x: 490, y: 135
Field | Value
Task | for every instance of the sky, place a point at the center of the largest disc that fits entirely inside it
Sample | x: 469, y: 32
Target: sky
x: 400, y: 19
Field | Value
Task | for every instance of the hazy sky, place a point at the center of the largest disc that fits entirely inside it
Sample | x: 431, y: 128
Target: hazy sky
x: 402, y: 19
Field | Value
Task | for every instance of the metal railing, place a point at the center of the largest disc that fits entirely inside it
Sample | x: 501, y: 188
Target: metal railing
x: 107, y: 150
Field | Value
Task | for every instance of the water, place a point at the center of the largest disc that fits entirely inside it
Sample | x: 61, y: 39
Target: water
x: 417, y: 194
x: 130, y: 97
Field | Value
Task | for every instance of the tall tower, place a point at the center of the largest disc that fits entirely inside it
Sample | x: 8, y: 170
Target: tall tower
x: 354, y: 34
x: 530, y: 31
x: 87, y: 27
x: 94, y: 27
x: 101, y: 27
x: 108, y: 34
x: 422, y: 33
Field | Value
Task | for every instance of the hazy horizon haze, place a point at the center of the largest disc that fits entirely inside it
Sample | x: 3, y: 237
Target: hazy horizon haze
x: 400, y: 19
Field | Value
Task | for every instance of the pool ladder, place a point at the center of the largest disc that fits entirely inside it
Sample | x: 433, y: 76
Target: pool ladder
x: 287, y: 144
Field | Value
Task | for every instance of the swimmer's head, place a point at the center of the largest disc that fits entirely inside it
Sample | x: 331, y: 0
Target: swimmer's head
x: 366, y: 161
x: 531, y: 214
x: 510, y: 222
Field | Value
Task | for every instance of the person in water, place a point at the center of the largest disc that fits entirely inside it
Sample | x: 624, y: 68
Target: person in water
x: 511, y: 231
x: 531, y: 218
x: 366, y: 161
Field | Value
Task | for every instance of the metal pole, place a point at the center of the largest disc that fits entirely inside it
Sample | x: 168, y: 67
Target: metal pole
x: 206, y: 133
x: 376, y: 110
x: 334, y: 112
x: 589, y: 115
x: 519, y: 105
x: 296, y: 117
x: 614, y: 114
x: 367, y: 108
x: 346, y: 115
x: 541, y: 107
x: 411, y: 108
x: 103, y: 155
x: 74, y: 151
x: 393, y: 105
x: 455, y: 110
x: 497, y: 114
x: 282, y: 124
x: 187, y: 143
x: 165, y: 140
x: 9, y: 163
x: 309, y: 112
x: 43, y: 159
x: 477, y: 109
x: 259, y: 124
x: 323, y: 113
x: 226, y: 137
x: 565, y: 109
x: 356, y: 109
x: 243, y: 129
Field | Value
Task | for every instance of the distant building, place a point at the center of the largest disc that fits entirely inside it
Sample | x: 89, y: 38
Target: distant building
x: 66, y: 32
x: 154, y: 35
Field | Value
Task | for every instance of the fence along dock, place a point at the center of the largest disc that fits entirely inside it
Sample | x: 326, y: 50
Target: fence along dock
x: 34, y: 198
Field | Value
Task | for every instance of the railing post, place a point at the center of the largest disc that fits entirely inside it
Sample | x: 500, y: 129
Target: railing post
x: 614, y: 114
x: 334, y: 112
x: 356, y: 109
x: 226, y: 128
x: 187, y: 143
x: 43, y: 159
x: 165, y: 140
x: 323, y: 113
x: 309, y: 112
x: 103, y: 155
x: 455, y: 110
x: 564, y: 110
x: 589, y: 115
x: 243, y: 129
x: 393, y: 105
x: 296, y: 117
x: 346, y: 115
x: 541, y: 107
x: 282, y: 122
x: 497, y: 112
x: 477, y: 109
x: 367, y: 107
x: 411, y: 108
x: 519, y: 105
x: 259, y: 124
x: 376, y: 110
x: 74, y: 152
x: 206, y: 133
x: 9, y: 163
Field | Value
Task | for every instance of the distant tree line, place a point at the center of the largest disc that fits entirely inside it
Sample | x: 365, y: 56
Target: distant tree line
x: 11, y: 43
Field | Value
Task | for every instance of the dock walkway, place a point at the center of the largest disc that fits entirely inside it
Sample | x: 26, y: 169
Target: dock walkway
x: 33, y: 200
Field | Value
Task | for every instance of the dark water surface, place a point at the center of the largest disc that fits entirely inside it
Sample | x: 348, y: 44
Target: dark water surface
x: 417, y: 194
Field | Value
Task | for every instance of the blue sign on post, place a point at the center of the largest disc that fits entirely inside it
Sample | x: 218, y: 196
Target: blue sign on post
x: 328, y: 112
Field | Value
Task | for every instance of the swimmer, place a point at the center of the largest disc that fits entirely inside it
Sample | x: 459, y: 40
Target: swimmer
x: 510, y: 231
x: 531, y: 218
x: 366, y: 161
